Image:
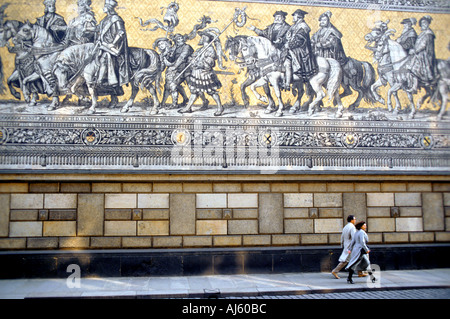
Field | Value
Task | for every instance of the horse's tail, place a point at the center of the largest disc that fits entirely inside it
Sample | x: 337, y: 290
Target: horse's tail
x: 334, y: 78
x: 369, y: 78
x: 150, y: 73
x: 2, y: 85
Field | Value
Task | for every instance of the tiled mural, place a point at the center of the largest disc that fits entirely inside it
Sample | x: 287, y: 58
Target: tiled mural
x: 255, y: 86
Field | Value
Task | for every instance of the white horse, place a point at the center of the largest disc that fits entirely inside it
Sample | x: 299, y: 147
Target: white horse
x: 267, y: 58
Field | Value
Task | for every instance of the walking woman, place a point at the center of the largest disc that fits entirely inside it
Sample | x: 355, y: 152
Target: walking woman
x: 359, y: 253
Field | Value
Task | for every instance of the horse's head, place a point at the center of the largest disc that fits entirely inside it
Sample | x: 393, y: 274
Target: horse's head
x: 8, y: 30
x: 26, y: 32
x: 232, y: 45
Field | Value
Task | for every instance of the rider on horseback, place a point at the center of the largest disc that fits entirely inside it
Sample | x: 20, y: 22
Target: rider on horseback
x: 298, y: 50
x: 52, y: 21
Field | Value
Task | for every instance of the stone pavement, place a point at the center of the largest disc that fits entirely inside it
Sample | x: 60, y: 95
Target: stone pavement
x: 248, y: 285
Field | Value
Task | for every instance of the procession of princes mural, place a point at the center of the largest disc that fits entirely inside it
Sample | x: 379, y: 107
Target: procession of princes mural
x: 284, y: 63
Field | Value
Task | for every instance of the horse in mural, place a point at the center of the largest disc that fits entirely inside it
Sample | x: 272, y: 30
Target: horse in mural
x: 259, y: 52
x: 68, y: 70
x: 393, y: 62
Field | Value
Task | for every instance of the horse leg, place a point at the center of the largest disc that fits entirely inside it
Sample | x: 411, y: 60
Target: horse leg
x: 156, y: 104
x: 55, y: 103
x: 276, y: 88
x: 129, y: 104
x: 25, y: 82
x: 340, y: 110
x: 316, y: 84
x: 245, y: 98
x: 15, y: 77
x: 266, y: 89
x: 300, y: 91
x: 374, y: 88
x: 393, y: 90
x: 256, y: 84
x: 443, y: 90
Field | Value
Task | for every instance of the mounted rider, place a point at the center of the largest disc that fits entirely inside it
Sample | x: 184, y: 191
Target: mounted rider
x: 298, y: 50
x: 114, y: 69
x: 82, y: 28
x: 409, y: 36
x: 276, y: 31
x: 327, y: 41
x: 423, y: 62
x: 52, y: 21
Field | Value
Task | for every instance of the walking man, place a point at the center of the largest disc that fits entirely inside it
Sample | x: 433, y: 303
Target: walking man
x: 346, y: 239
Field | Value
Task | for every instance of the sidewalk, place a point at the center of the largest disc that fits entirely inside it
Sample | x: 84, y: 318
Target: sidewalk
x: 222, y: 285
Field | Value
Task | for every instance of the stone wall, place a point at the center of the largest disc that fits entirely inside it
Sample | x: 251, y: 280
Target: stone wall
x: 208, y: 211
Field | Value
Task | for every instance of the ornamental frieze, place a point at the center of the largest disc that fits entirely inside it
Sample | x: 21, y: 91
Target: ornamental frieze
x: 225, y: 86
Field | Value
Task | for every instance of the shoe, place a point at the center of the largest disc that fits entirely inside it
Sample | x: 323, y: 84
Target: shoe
x: 184, y: 111
x: 350, y: 281
x: 335, y: 275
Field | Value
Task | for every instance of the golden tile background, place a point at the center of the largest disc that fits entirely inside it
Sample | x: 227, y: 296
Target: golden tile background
x: 354, y: 24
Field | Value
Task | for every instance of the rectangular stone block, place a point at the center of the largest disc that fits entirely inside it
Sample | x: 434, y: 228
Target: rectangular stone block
x: 314, y: 239
x: 153, y: 228
x: 153, y: 200
x: 167, y: 187
x: 182, y: 214
x: 227, y: 187
x: 256, y: 187
x: 197, y: 241
x: 410, y: 211
x: 285, y: 239
x: 409, y: 224
x: 197, y: 187
x: 328, y: 200
x: 355, y: 204
x: 151, y: 214
x: 106, y: 242
x: 61, y: 201
x: 60, y: 228
x: 90, y: 214
x: 168, y: 242
x: 13, y: 187
x: 381, y: 225
x: 4, y: 214
x: 120, y: 228
x: 419, y: 187
x: 25, y: 229
x: 75, y: 187
x: 298, y: 226
x: 284, y: 187
x: 296, y: 213
x: 340, y: 187
x: 298, y: 200
x: 421, y: 237
x: 242, y: 200
x: 393, y: 187
x: 378, y: 212
x: 106, y: 187
x: 24, y: 214
x: 227, y: 241
x: 395, y: 237
x: 27, y: 201
x: 328, y: 225
x: 433, y: 211
x: 243, y: 213
x: 408, y: 199
x: 44, y: 187
x: 74, y: 242
x: 118, y: 214
x: 213, y: 213
x: 120, y: 201
x: 380, y: 199
x: 249, y: 226
x: 270, y: 213
x: 330, y: 212
x: 256, y: 240
x: 442, y: 237
x: 137, y: 187
x: 136, y: 242
x: 13, y: 243
x: 313, y: 187
x: 42, y: 243
x: 211, y: 200
x: 367, y: 187
x: 211, y: 227
x: 59, y: 214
